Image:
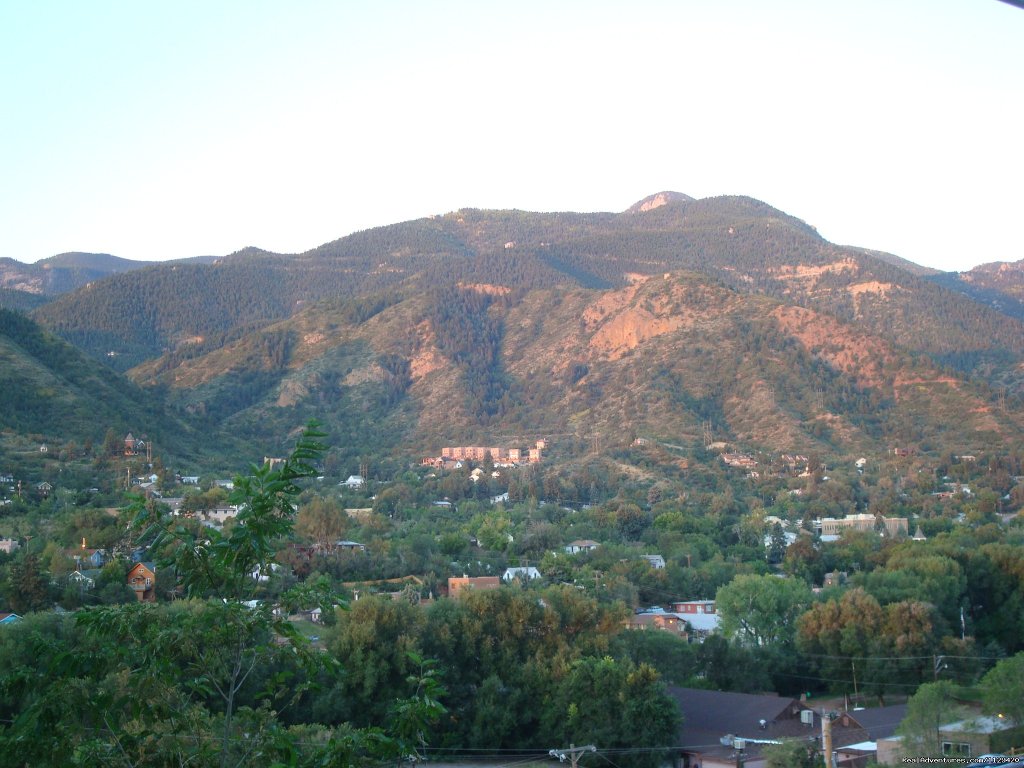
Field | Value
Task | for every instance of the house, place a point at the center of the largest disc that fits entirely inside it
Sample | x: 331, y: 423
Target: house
x: 694, y: 606
x: 142, y: 580
x: 351, y: 546
x: 723, y: 730
x: 353, y: 481
x: 527, y: 573
x: 892, y: 526
x: 457, y: 585
x: 9, y: 545
x: 97, y: 558
x: 581, y: 545
x: 220, y: 515
x: 658, y: 619
x: 701, y: 616
x: 719, y: 728
x: 960, y: 740
x: 44, y: 489
x: 849, y: 749
x: 84, y: 579
x: 9, y: 618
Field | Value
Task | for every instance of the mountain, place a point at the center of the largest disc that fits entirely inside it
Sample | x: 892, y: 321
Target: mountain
x: 999, y: 285
x: 24, y: 286
x: 1005, y: 277
x: 662, y: 358
x: 51, y: 388
x: 671, y: 318
x: 740, y: 241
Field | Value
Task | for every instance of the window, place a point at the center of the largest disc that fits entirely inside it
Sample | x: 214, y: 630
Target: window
x: 956, y: 749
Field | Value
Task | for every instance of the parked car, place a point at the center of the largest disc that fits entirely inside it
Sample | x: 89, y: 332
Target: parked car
x: 1002, y: 761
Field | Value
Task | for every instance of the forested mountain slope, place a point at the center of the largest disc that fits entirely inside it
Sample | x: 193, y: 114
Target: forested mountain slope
x: 999, y: 285
x: 51, y: 388
x: 742, y: 242
x: 663, y: 357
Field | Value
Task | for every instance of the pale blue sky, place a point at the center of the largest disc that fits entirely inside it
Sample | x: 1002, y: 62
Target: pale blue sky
x: 166, y: 130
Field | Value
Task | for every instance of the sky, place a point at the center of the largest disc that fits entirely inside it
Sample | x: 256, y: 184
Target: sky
x: 167, y: 130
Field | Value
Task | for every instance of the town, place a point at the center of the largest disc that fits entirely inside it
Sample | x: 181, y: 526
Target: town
x: 726, y: 589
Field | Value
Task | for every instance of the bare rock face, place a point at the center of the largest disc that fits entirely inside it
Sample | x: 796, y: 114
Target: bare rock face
x: 658, y: 200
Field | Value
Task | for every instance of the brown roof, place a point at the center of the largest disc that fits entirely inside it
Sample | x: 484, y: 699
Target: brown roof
x: 710, y: 716
x: 878, y: 722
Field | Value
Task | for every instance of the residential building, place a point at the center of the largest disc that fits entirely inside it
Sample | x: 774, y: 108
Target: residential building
x: 9, y: 545
x: 524, y: 574
x: 701, y: 615
x: 457, y: 585
x: 656, y: 561
x: 960, y: 740
x: 658, y: 619
x: 581, y: 545
x: 893, y: 526
x: 694, y: 606
x: 723, y: 730
x: 351, y: 546
x: 142, y: 580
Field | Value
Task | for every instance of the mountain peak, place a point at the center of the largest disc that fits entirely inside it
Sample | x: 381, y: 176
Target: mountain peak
x: 657, y: 200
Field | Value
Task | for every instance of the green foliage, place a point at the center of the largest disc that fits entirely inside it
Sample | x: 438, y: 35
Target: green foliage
x: 613, y: 704
x: 471, y: 337
x: 193, y: 682
x: 27, y: 588
x: 793, y: 753
x: 762, y: 610
x: 231, y: 565
x: 1003, y: 689
x: 932, y: 707
x: 52, y: 388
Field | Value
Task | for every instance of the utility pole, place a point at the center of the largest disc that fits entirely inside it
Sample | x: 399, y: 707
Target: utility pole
x: 572, y: 754
x: 739, y: 745
x: 826, y: 737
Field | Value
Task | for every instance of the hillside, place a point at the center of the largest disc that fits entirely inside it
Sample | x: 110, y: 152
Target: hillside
x: 61, y: 273
x: 673, y: 318
x: 51, y: 388
x: 999, y: 285
x: 661, y: 358
x: 742, y: 242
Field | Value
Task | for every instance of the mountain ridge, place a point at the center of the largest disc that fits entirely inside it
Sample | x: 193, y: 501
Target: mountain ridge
x: 671, y: 317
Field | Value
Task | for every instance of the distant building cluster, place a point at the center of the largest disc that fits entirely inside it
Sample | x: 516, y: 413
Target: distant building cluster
x: 452, y: 456
x: 742, y: 460
x: 893, y: 526
x: 690, y: 619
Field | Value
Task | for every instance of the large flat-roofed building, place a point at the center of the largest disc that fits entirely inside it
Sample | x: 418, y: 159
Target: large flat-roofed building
x: 834, y: 526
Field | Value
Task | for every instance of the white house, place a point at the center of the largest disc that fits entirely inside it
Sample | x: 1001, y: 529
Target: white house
x: 9, y: 545
x: 581, y: 545
x: 527, y: 573
x: 354, y: 481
